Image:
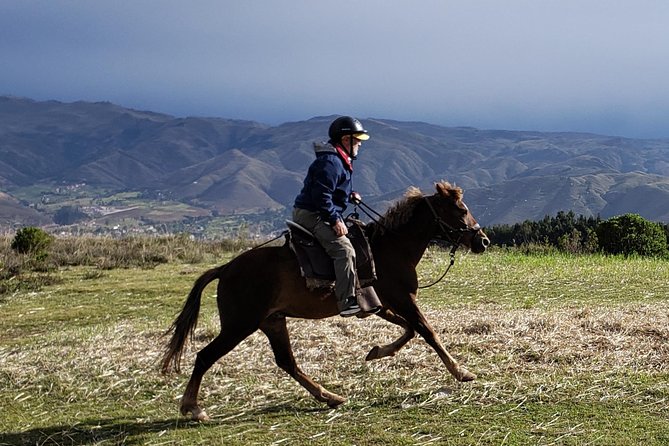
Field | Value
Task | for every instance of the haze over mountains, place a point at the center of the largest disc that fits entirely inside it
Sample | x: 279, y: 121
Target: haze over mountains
x: 225, y: 166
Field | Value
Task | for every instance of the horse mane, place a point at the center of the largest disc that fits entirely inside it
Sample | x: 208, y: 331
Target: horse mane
x: 399, y: 213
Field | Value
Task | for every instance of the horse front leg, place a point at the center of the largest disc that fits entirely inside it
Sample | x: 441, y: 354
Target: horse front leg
x: 276, y: 331
x: 417, y: 321
x: 378, y: 352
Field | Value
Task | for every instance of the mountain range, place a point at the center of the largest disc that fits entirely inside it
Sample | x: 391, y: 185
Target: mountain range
x: 226, y: 166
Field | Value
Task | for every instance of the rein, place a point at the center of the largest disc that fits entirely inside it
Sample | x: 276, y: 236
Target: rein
x: 448, y: 231
x: 452, y: 255
x: 366, y: 209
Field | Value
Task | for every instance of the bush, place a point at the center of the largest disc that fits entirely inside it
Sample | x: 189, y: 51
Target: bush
x: 68, y: 215
x: 631, y: 234
x: 29, y: 270
x: 32, y: 240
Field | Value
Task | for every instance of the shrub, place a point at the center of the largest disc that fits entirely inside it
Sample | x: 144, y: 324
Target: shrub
x: 29, y: 270
x: 68, y: 215
x: 31, y: 240
x: 631, y: 234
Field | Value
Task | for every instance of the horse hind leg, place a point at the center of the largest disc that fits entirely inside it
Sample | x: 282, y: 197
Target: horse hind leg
x: 276, y: 331
x: 378, y: 352
x: 222, y: 344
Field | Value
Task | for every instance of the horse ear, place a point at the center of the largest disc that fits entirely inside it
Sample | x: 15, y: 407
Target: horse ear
x: 446, y: 190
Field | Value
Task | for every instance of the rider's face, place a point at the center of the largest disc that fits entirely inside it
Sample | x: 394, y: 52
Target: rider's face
x: 352, y: 145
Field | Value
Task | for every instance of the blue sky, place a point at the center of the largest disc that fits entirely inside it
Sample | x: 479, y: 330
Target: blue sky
x: 562, y: 65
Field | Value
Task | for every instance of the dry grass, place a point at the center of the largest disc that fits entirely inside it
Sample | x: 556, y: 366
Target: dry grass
x: 529, y: 344
x: 543, y: 350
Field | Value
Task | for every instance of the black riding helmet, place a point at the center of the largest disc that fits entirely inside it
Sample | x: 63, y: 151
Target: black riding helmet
x: 346, y: 125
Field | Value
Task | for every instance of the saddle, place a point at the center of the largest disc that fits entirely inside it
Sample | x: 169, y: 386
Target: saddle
x: 317, y: 267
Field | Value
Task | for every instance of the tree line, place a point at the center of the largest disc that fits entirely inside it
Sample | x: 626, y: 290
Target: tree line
x: 628, y: 234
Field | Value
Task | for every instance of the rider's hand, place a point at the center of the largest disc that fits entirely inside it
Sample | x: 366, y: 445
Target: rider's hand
x: 340, y: 228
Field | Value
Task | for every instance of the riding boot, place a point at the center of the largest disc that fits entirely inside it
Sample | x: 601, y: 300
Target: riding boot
x: 368, y: 300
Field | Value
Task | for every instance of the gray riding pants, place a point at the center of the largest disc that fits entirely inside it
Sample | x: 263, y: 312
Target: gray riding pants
x: 339, y: 248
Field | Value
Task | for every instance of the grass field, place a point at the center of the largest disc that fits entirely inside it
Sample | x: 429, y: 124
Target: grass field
x: 568, y: 351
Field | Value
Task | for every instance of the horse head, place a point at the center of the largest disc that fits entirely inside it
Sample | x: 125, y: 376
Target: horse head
x: 456, y: 224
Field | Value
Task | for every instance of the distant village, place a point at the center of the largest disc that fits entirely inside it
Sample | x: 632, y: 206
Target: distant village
x: 76, y: 213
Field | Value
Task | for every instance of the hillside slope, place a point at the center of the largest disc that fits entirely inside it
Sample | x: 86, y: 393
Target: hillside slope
x: 230, y: 166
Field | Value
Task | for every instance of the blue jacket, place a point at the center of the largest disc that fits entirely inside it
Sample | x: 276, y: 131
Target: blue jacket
x: 327, y: 185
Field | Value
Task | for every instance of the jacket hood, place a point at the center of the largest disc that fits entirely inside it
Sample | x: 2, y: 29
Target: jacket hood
x: 324, y: 147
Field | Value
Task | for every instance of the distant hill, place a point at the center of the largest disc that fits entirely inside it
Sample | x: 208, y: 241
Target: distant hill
x: 12, y: 212
x: 230, y: 166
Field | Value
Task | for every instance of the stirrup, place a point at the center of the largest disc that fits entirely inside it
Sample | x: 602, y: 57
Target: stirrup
x: 351, y: 310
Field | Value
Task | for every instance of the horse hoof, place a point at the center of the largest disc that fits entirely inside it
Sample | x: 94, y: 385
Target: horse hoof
x: 373, y: 354
x: 466, y: 375
x: 197, y: 414
x: 335, y: 401
x: 200, y: 415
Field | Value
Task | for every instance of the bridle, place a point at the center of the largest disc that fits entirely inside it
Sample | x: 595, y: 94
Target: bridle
x: 448, y: 232
x: 451, y: 235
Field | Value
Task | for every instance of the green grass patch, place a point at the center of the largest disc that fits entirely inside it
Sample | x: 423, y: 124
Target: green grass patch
x: 517, y: 280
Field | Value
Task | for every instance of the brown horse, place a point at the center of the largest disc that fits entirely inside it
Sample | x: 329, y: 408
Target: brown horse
x: 262, y: 287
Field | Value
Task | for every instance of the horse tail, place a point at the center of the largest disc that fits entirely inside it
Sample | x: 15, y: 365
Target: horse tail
x: 184, y: 325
